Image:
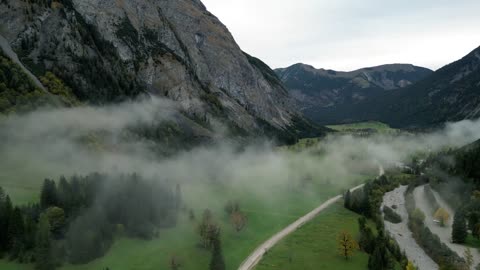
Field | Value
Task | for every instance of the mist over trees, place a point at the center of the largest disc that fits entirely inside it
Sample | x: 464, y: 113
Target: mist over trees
x: 77, y: 219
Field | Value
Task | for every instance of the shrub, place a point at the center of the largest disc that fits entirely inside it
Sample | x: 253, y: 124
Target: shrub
x: 391, y: 216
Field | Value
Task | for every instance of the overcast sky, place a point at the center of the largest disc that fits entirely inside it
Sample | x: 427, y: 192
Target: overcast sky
x: 350, y: 34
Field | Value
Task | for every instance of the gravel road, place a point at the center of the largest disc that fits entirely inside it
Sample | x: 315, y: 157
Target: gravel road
x: 402, y: 234
x: 444, y: 233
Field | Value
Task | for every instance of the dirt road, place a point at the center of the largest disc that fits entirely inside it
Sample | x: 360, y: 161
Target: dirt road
x: 444, y: 233
x: 257, y: 255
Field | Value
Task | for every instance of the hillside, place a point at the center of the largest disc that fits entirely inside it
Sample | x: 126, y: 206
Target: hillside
x: 449, y: 94
x: 316, y: 89
x: 111, y: 51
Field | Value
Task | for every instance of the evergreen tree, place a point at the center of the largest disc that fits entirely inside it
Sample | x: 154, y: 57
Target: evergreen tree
x: 4, y: 217
x: 217, y: 262
x: 48, y: 196
x: 347, y: 200
x: 459, y: 228
x: 16, y: 230
x: 367, y: 239
x: 381, y: 258
x: 43, y: 246
x: 64, y: 192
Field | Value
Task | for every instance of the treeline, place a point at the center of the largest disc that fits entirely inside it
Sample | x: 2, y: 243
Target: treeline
x: 367, y: 201
x: 384, y: 252
x: 76, y: 219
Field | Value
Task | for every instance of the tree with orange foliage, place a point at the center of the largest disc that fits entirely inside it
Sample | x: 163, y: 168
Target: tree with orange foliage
x: 346, y: 244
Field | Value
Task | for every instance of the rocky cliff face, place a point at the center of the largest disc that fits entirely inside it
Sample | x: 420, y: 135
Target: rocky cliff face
x: 110, y: 50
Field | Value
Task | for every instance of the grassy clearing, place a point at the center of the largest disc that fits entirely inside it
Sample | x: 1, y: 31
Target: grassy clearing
x: 372, y: 126
x: 314, y: 246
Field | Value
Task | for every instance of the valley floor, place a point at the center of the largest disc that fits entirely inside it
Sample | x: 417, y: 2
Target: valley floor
x: 314, y: 246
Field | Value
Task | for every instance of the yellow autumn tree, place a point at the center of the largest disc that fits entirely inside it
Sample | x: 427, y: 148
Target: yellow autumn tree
x: 410, y: 266
x: 346, y: 244
x: 442, y: 216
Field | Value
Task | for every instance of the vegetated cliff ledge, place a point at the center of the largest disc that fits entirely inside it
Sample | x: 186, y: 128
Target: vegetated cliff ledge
x: 108, y: 51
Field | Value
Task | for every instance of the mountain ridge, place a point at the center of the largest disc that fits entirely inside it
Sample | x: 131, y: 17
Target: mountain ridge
x: 324, y: 88
x: 449, y: 94
x: 109, y: 51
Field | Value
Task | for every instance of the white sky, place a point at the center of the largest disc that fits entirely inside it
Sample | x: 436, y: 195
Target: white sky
x: 351, y: 34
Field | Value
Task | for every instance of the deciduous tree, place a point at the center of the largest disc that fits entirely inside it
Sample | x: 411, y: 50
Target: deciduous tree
x: 239, y: 220
x: 346, y: 244
x: 442, y: 216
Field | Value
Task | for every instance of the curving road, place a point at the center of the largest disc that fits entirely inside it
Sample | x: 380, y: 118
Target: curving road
x: 257, y: 255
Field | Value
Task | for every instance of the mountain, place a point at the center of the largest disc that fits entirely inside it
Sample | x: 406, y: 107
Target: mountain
x: 452, y: 93
x: 315, y: 89
x: 108, y: 51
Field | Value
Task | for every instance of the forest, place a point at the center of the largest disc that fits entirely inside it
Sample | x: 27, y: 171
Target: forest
x: 77, y: 219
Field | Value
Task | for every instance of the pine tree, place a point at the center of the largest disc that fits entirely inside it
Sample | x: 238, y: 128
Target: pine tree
x: 459, y: 228
x: 381, y: 258
x: 43, y: 246
x: 48, y: 196
x: 64, y: 192
x: 16, y: 230
x: 367, y: 239
x: 347, y: 200
x: 3, y: 221
x: 217, y: 262
x: 5, y: 217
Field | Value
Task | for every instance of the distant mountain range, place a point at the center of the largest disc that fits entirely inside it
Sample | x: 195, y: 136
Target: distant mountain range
x: 400, y: 95
x: 318, y: 88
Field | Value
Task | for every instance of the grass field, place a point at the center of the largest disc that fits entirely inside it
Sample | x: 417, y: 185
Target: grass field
x: 266, y: 216
x: 372, y: 125
x: 314, y: 245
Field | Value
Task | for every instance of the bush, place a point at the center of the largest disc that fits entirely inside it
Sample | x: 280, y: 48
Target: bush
x: 391, y: 216
x: 418, y: 216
